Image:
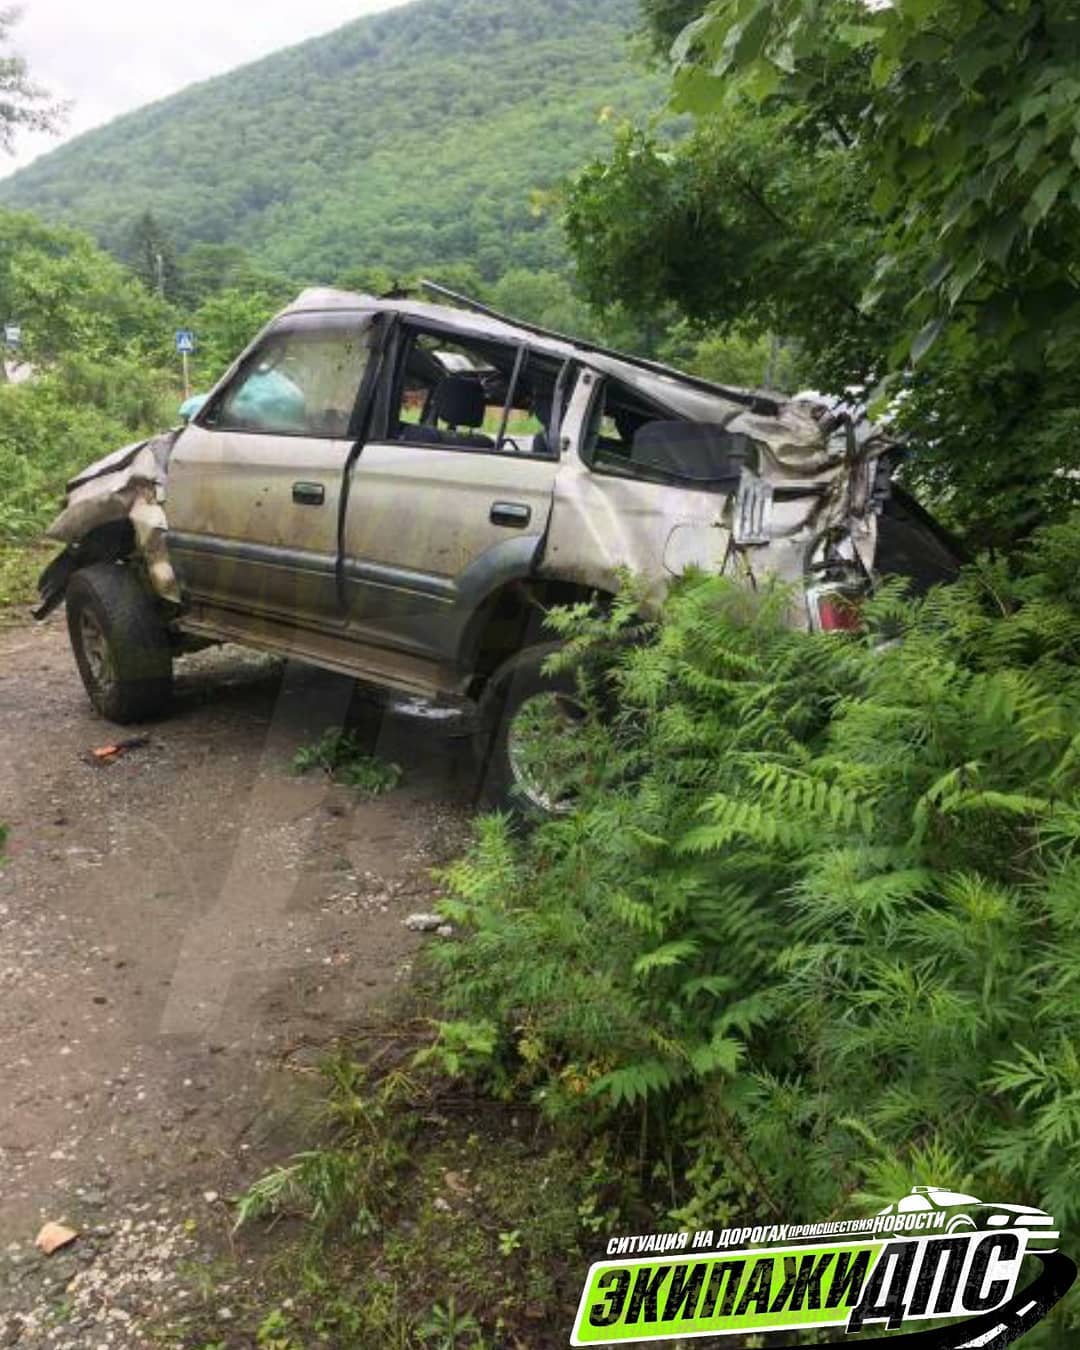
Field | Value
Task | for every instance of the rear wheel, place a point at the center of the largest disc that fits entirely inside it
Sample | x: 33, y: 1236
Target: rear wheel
x: 530, y: 746
x: 121, y: 646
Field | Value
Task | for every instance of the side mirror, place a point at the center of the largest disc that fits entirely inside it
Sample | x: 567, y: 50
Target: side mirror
x: 191, y: 406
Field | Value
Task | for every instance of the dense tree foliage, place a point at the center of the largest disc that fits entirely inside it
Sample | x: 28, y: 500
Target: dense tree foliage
x: 99, y: 345
x: 404, y: 140
x: 71, y: 299
x: 151, y: 255
x: 880, y: 189
x: 967, y: 128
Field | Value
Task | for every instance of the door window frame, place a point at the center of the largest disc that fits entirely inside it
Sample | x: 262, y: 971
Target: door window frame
x: 404, y: 334
x: 351, y: 322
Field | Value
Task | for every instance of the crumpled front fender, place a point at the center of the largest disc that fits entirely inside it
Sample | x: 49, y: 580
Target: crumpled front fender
x: 128, y: 485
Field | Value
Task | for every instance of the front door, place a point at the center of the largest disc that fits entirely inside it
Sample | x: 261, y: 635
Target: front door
x: 452, y: 498
x: 255, y: 484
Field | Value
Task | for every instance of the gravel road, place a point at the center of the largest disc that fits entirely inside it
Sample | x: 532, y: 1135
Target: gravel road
x: 173, y: 925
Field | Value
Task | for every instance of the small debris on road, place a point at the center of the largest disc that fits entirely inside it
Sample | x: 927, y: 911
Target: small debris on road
x: 54, y: 1236
x: 423, y: 923
x: 106, y: 754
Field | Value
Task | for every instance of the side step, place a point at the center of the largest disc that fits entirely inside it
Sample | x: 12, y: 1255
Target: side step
x: 338, y: 652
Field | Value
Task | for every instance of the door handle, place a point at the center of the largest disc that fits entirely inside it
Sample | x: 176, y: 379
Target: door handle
x: 515, y: 514
x: 308, y: 494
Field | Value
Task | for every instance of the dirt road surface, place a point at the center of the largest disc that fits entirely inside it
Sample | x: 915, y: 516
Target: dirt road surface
x: 173, y: 925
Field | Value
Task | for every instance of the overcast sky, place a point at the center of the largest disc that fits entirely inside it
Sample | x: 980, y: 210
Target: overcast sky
x: 108, y: 56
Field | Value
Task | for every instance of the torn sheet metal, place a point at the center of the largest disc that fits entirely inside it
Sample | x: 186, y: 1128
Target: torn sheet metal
x: 129, y: 484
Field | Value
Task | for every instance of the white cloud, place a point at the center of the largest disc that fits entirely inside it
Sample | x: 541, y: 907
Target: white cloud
x: 109, y: 56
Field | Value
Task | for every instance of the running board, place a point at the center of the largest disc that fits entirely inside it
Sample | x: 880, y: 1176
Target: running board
x: 347, y: 656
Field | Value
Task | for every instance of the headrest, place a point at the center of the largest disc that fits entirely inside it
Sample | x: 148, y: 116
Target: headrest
x: 460, y: 401
x: 696, y: 452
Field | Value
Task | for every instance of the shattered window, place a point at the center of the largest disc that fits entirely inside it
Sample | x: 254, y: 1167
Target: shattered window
x: 298, y: 384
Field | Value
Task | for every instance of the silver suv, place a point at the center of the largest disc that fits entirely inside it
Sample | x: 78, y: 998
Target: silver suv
x: 399, y: 490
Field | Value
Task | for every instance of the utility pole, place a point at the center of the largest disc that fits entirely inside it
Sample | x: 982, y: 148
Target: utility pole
x: 159, y: 263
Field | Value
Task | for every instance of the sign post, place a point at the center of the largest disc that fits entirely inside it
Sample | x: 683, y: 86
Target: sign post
x: 12, y: 335
x: 185, y: 345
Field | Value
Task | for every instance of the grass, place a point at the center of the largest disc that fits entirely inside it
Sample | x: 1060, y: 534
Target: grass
x: 20, y: 566
x: 435, y: 1218
x: 341, y: 756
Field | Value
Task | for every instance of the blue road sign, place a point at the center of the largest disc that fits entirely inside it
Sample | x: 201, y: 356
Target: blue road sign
x: 185, y: 341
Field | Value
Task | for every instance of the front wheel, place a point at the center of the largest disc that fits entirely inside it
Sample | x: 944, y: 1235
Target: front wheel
x: 121, y: 646
x: 530, y: 748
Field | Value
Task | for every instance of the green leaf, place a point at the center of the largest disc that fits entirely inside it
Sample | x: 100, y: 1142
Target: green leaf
x: 1029, y: 147
x: 962, y: 279
x: 686, y: 40
x: 885, y: 195
x: 925, y: 338
x: 761, y: 80
x: 721, y: 1053
x: 916, y: 10
x: 884, y: 68
x: 857, y: 34
x: 1033, y: 107
x: 1045, y: 195
x: 940, y: 270
x: 999, y: 239
x: 698, y: 91
x: 746, y: 42
x: 670, y: 954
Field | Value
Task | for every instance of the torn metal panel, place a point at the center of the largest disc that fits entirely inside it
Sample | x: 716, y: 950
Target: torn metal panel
x: 129, y: 484
x: 753, y: 510
x: 814, y: 480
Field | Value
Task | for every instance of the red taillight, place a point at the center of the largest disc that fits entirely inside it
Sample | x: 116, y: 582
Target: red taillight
x: 836, y: 612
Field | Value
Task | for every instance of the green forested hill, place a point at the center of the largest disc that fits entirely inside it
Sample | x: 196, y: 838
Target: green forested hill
x: 401, y: 140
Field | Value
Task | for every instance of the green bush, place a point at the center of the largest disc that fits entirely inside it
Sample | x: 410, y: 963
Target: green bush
x: 342, y: 757
x: 64, y: 419
x: 814, y: 926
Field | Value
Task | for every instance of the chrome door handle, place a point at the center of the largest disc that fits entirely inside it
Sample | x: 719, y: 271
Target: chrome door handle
x: 308, y: 494
x: 515, y: 514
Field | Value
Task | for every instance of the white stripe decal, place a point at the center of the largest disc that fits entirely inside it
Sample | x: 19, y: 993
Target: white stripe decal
x: 985, y: 1338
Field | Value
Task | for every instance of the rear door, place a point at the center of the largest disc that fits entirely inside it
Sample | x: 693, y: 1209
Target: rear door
x: 255, y: 484
x: 438, y: 517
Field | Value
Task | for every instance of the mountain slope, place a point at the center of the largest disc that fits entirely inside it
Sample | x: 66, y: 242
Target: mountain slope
x: 403, y: 139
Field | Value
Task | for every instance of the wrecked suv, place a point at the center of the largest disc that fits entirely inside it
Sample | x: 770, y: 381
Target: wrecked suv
x: 398, y: 490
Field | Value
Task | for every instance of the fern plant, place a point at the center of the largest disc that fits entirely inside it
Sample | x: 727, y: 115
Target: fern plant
x: 341, y: 756
x: 815, y: 929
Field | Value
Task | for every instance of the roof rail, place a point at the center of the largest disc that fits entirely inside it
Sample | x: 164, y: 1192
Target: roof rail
x: 747, y: 398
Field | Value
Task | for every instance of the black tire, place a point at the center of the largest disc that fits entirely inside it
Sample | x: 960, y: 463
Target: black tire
x: 503, y: 786
x: 121, y: 645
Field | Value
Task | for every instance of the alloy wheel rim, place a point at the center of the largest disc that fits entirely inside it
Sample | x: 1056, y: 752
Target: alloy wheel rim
x: 527, y: 763
x: 95, y: 647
